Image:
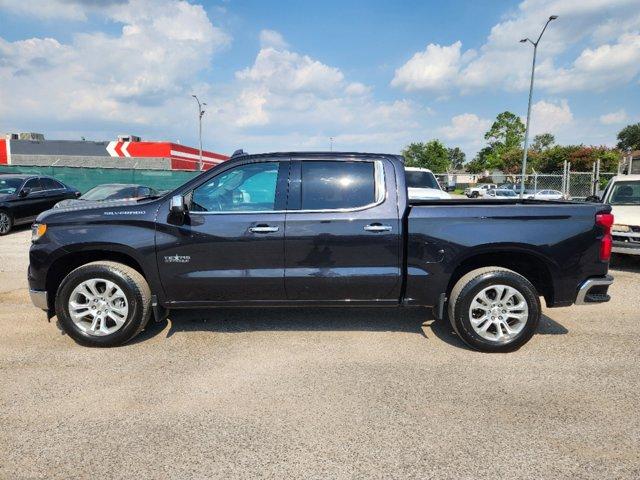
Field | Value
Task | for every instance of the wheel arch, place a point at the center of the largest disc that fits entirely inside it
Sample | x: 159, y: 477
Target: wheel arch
x: 68, y: 262
x: 534, y: 267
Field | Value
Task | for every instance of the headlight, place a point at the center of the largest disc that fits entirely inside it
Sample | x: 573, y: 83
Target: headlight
x: 621, y: 228
x: 37, y: 231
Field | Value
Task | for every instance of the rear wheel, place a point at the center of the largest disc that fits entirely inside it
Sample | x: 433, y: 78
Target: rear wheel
x: 475, y: 194
x: 6, y: 222
x: 103, y: 304
x: 494, y: 309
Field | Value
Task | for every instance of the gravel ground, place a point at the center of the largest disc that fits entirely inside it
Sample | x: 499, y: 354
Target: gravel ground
x: 329, y: 393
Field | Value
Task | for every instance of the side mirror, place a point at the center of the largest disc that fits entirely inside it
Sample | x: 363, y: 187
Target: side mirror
x: 177, y: 210
x: 593, y: 199
x: 24, y: 192
x: 77, y: 194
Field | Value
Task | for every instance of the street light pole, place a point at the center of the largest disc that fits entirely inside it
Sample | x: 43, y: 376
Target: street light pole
x: 533, y: 71
x: 200, y: 114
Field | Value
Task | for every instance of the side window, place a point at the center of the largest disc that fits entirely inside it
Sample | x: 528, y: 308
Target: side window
x: 34, y: 185
x: 144, y: 192
x: 50, y: 184
x: 337, y: 185
x: 250, y: 187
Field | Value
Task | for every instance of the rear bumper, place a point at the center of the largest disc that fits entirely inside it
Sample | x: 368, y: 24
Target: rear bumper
x: 594, y: 290
x: 39, y: 299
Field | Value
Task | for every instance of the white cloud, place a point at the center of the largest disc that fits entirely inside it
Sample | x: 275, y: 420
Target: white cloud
x: 550, y: 116
x: 357, y: 88
x: 614, y: 118
x: 609, y: 26
x: 45, y: 9
x: 468, y: 127
x: 433, y: 68
x: 271, y: 38
x: 131, y: 77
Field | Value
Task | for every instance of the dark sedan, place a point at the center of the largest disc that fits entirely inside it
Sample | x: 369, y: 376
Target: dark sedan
x: 111, y: 191
x: 23, y: 197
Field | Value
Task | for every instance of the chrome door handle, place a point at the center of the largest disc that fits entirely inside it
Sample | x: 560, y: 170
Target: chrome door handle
x: 378, y: 228
x: 263, y: 229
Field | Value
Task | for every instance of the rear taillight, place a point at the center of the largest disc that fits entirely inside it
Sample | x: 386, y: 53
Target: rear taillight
x: 605, y: 220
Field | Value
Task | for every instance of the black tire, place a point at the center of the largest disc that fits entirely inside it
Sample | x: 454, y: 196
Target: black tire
x: 130, y: 281
x: 466, y: 289
x: 475, y: 194
x: 5, y: 227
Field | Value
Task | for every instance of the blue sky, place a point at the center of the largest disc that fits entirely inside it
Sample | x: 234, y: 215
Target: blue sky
x: 288, y: 75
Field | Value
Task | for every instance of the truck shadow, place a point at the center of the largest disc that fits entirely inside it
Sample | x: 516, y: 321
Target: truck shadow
x: 418, y: 321
x: 625, y: 263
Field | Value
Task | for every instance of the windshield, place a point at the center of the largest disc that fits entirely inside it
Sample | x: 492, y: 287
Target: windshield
x: 417, y: 179
x: 625, y: 193
x: 9, y: 186
x: 109, y: 192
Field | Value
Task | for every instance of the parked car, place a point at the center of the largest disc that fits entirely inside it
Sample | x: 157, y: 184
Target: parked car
x: 109, y: 192
x: 546, y: 195
x: 423, y: 185
x: 317, y: 229
x: 500, y: 193
x: 623, y: 194
x: 479, y: 190
x: 23, y: 197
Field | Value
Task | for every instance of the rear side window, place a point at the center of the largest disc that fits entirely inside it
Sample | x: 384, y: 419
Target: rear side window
x: 33, y: 185
x: 50, y: 184
x: 337, y: 185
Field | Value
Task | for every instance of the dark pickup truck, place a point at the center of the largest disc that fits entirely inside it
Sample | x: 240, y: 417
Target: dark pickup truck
x: 317, y: 229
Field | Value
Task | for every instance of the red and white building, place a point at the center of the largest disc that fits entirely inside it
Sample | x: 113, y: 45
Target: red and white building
x: 126, y: 152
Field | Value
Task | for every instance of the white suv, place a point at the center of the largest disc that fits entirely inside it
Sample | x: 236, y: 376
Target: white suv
x: 479, y: 190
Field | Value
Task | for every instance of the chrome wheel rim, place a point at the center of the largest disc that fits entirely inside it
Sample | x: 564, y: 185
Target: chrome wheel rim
x: 4, y: 222
x: 98, y: 307
x: 498, y: 313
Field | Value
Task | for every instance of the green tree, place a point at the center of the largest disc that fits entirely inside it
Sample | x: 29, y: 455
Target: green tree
x: 456, y: 158
x: 629, y: 137
x: 479, y: 163
x: 432, y: 155
x: 507, y: 132
x: 542, y: 142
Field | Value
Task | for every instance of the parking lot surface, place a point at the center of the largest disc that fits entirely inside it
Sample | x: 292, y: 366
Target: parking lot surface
x: 319, y: 393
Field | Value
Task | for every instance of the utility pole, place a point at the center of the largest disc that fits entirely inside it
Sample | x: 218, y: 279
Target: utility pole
x: 200, y: 114
x: 533, y: 71
x: 331, y: 144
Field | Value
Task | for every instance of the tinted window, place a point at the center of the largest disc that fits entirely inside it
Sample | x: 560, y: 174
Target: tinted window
x: 249, y: 187
x: 50, y: 184
x: 144, y: 191
x: 334, y: 185
x: 34, y: 185
x: 421, y: 180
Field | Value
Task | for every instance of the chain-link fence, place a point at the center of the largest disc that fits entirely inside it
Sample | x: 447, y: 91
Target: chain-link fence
x: 84, y: 178
x: 569, y: 184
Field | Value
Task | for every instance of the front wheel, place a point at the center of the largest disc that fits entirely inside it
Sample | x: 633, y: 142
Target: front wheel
x: 103, y: 304
x: 494, y: 309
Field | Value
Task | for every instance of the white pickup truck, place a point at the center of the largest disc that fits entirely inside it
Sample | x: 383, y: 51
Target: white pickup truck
x: 623, y: 194
x: 479, y: 190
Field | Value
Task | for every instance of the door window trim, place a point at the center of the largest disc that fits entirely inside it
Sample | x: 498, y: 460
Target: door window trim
x: 380, y: 189
x: 281, y: 195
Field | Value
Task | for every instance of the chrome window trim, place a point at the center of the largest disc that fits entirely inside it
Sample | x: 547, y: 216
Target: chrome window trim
x: 380, y: 197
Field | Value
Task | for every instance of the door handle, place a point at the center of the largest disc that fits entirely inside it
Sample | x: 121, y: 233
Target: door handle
x: 263, y: 229
x: 376, y: 227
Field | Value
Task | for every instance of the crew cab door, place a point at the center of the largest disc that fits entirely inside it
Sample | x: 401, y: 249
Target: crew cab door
x: 231, y: 246
x: 342, y: 237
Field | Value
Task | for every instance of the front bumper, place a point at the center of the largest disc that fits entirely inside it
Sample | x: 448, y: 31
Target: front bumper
x: 626, y: 242
x: 39, y: 299
x: 594, y: 290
